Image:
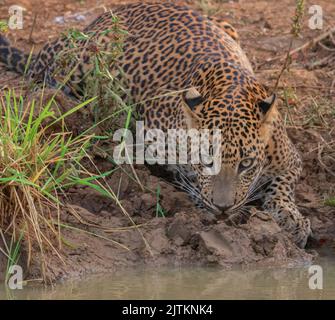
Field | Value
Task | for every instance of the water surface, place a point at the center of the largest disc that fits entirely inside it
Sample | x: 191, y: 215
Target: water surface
x: 190, y: 283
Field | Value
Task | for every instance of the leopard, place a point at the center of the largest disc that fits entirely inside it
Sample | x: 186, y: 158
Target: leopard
x: 185, y: 71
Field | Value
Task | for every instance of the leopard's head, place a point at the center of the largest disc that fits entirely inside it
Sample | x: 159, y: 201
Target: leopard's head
x: 234, y: 113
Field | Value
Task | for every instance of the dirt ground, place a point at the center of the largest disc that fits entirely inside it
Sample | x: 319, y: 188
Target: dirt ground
x: 187, y: 235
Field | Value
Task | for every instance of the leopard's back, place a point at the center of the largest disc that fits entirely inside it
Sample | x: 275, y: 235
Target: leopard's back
x: 163, y: 48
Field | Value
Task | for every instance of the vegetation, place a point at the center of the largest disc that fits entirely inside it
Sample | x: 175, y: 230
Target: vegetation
x: 330, y: 202
x: 39, y: 163
x: 3, y: 26
x: 35, y: 167
x: 41, y: 158
x: 104, y: 79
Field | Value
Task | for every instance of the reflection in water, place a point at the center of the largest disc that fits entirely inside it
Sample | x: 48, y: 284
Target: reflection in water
x: 191, y: 283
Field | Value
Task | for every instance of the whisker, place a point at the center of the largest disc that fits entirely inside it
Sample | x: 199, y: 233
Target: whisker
x: 250, y: 193
x: 189, y: 185
x: 259, y: 186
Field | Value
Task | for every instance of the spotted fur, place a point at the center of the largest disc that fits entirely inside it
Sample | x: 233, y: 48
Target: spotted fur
x: 171, y: 48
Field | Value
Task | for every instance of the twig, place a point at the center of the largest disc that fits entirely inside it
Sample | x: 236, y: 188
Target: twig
x: 332, y: 87
x: 305, y: 86
x: 332, y: 38
x: 325, y: 47
x: 30, y: 39
x: 324, y: 166
x: 322, y: 62
x: 285, y: 65
x: 314, y: 41
x: 304, y: 46
x: 295, y: 31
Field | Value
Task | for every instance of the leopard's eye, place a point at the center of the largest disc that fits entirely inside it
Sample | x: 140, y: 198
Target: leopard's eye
x: 246, y: 164
x: 207, y: 160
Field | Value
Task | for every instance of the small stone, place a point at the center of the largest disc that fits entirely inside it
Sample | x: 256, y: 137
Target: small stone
x: 178, y: 231
x: 59, y: 20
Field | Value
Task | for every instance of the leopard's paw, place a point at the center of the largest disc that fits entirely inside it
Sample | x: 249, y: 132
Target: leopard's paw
x: 301, y: 232
x: 297, y: 226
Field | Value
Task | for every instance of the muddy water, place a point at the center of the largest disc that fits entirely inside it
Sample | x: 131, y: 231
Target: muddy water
x: 191, y: 283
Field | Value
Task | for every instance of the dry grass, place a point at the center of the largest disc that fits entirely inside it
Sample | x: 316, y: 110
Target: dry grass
x: 35, y: 167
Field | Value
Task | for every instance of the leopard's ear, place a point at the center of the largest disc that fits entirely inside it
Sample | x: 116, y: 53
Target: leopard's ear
x: 269, y: 113
x: 190, y: 100
x: 266, y: 105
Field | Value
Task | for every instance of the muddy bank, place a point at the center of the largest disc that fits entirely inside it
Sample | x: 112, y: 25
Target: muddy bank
x: 185, y: 236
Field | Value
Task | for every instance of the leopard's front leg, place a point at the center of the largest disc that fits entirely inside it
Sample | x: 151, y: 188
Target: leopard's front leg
x: 279, y: 201
x: 284, y: 172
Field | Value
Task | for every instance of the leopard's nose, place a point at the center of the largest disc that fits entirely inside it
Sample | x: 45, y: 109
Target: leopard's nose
x: 223, y: 207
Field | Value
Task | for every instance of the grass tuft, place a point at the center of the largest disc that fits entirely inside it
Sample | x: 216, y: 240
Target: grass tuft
x: 330, y: 202
x: 34, y: 167
x: 3, y: 26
